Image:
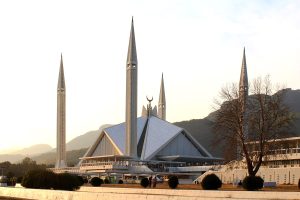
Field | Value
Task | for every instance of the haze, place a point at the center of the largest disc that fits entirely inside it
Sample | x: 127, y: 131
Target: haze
x: 196, y: 44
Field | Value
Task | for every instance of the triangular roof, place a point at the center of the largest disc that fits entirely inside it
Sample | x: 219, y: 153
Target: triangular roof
x: 117, y: 133
x: 157, y: 135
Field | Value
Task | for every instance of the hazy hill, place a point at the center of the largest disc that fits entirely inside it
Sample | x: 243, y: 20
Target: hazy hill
x: 34, y: 150
x: 12, y: 158
x: 50, y: 157
x: 18, y: 155
x: 85, y: 140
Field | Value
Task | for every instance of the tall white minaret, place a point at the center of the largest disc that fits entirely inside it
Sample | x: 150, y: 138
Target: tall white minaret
x: 131, y: 97
x: 243, y: 85
x: 61, y: 119
x: 243, y: 96
x: 162, y: 100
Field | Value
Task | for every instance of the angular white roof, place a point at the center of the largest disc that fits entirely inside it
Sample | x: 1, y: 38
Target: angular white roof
x: 118, y: 135
x: 159, y: 133
x: 153, y: 135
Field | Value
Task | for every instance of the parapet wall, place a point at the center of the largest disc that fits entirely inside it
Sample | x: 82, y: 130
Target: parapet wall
x: 105, y: 193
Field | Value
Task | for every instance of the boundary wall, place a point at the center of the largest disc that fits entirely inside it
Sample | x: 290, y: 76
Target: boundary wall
x: 106, y: 193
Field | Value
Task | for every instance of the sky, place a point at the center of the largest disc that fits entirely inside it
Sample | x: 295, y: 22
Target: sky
x: 196, y: 44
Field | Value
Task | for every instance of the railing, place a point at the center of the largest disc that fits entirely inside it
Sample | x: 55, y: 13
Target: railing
x: 74, y: 170
x: 102, y: 166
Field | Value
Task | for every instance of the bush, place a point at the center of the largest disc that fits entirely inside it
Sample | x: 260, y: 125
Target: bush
x: 40, y: 179
x: 80, y: 180
x: 96, y: 181
x: 211, y: 182
x: 67, y: 181
x: 253, y: 183
x: 45, y: 179
x: 120, y: 181
x: 173, y: 182
x: 12, y: 181
x: 144, y: 182
x: 85, y: 180
x: 106, y: 181
x: 19, y: 179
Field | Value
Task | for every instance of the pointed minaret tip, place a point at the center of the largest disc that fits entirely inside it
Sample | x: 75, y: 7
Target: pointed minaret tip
x: 132, y: 56
x: 244, y: 76
x: 162, y: 100
x: 61, y: 77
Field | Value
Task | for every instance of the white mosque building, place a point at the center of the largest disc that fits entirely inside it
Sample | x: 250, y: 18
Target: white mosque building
x: 143, y: 144
x: 146, y: 144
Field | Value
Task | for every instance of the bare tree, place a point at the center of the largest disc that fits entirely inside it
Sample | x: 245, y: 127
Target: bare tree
x: 249, y: 128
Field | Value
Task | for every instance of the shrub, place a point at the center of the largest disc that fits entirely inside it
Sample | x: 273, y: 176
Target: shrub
x: 106, y: 181
x: 144, y: 182
x: 12, y: 181
x: 173, y: 182
x: 120, y: 181
x: 211, y: 182
x: 19, y: 179
x: 80, y: 180
x: 45, y: 179
x: 67, y: 181
x: 41, y: 179
x: 259, y: 182
x: 85, y: 180
x: 253, y: 183
x: 96, y: 181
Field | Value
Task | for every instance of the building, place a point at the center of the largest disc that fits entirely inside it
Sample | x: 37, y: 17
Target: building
x: 146, y: 144
x: 281, y: 166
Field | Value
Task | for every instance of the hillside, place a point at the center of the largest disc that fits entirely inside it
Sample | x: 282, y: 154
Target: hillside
x: 85, y: 140
x: 18, y: 155
x: 12, y: 158
x: 201, y: 129
x: 49, y: 158
x: 34, y: 150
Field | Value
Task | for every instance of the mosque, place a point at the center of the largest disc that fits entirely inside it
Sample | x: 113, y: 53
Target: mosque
x: 149, y: 144
x: 144, y: 144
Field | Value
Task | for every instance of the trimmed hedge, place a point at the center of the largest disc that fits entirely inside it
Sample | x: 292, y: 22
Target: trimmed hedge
x: 144, y: 182
x: 81, y: 180
x: 252, y: 183
x: 96, y: 181
x: 40, y: 179
x: 211, y: 182
x: 45, y: 179
x: 173, y: 182
x: 67, y: 181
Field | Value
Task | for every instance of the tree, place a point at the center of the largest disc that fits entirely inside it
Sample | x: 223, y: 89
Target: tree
x: 252, y: 124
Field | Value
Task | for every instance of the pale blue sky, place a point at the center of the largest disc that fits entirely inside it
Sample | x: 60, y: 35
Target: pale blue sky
x: 196, y: 44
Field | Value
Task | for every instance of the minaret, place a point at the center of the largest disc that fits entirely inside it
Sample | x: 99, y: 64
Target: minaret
x: 243, y: 95
x: 61, y: 119
x: 131, y: 97
x: 243, y: 85
x: 162, y: 100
